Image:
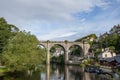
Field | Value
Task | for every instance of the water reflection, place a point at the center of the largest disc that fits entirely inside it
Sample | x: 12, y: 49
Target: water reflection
x: 47, y: 72
x: 57, y: 72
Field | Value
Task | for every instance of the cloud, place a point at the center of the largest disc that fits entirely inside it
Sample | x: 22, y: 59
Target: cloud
x: 59, y: 33
x: 56, y: 19
x: 118, y: 0
x: 50, y: 10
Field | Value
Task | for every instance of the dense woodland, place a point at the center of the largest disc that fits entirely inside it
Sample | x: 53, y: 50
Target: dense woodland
x: 111, y: 41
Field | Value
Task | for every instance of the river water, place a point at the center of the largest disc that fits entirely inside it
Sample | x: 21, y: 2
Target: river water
x: 57, y: 72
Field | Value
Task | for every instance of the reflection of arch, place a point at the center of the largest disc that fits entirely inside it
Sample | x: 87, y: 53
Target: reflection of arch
x: 66, y: 45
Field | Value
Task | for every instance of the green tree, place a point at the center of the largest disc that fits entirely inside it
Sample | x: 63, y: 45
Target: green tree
x: 110, y: 40
x: 6, y: 32
x: 22, y: 52
x: 113, y: 39
x: 117, y: 47
x: 87, y: 37
x: 76, y: 50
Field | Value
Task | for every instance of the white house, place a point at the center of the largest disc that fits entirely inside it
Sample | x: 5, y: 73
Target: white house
x: 107, y: 54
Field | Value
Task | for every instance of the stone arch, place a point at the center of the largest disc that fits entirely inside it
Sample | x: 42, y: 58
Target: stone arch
x: 79, y: 48
x: 43, y: 46
x: 66, y: 45
x: 58, y: 45
x: 81, y: 45
x: 58, y: 52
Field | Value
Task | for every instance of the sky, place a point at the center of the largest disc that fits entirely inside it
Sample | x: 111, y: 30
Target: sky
x: 62, y: 19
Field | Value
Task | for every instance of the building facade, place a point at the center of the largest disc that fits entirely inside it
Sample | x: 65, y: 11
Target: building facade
x: 106, y: 54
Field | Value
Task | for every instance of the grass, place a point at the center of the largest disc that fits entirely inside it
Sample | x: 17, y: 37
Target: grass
x: 3, y: 69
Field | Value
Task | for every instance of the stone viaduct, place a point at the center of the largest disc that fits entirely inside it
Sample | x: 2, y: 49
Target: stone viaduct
x: 66, y: 45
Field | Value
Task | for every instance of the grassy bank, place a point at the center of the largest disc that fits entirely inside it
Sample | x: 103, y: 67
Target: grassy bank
x: 3, y: 70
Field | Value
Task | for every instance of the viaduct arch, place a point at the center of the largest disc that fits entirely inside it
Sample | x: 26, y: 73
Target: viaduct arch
x: 66, y: 45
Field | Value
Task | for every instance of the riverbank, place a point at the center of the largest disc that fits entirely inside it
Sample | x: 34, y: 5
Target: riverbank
x: 106, y: 68
x: 3, y: 70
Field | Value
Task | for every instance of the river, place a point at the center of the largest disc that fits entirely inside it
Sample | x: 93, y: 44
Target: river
x: 57, y: 72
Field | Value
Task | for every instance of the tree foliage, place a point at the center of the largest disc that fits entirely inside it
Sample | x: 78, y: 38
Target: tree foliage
x: 91, y: 39
x: 111, y: 40
x: 88, y: 36
x: 22, y: 52
x: 76, y: 50
x: 6, y: 31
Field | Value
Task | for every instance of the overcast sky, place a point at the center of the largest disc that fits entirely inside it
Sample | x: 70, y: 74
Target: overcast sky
x: 61, y: 19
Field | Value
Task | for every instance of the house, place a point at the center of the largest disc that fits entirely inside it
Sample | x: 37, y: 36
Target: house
x: 117, y: 58
x: 113, y: 62
x: 107, y: 58
x: 106, y: 54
